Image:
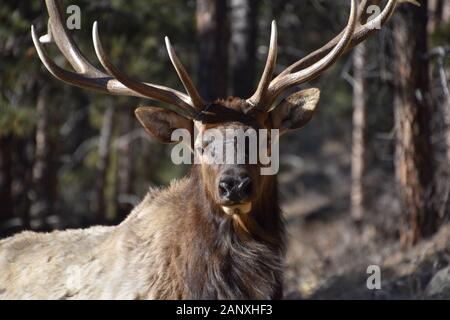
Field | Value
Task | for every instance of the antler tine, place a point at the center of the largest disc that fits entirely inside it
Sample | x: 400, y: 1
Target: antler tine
x: 101, y: 84
x: 278, y: 85
x: 362, y: 9
x: 104, y: 84
x: 147, y: 90
x: 47, y: 38
x: 88, y: 76
x: 196, y: 99
x: 268, y: 70
x: 65, y: 43
x: 361, y: 33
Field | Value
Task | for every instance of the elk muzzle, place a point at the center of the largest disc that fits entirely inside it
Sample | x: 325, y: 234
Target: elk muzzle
x: 235, y: 191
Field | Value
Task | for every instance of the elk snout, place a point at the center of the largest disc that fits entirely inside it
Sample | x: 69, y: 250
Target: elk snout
x: 235, y: 189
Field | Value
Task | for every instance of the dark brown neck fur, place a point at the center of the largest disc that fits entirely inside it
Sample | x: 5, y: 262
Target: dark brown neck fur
x: 225, y: 262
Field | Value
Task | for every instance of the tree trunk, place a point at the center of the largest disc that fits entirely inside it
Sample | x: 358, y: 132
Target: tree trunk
x: 213, y: 34
x: 445, y: 11
x: 443, y: 179
x: 443, y: 96
x: 44, y: 175
x: 445, y: 107
x: 439, y: 14
x: 413, y: 113
x: 125, y: 159
x: 435, y: 17
x: 22, y: 181
x: 359, y: 132
x: 6, y: 207
x: 103, y: 162
x: 440, y: 18
x: 244, y: 29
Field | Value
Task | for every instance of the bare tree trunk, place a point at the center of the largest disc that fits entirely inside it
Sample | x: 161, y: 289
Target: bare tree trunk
x: 6, y: 207
x: 445, y: 107
x: 103, y: 162
x: 445, y: 11
x: 44, y: 175
x: 413, y: 113
x: 244, y: 29
x: 443, y: 96
x: 436, y: 13
x: 359, y: 132
x: 213, y: 36
x: 443, y: 179
x: 439, y: 14
x: 22, y: 181
x: 440, y: 18
x: 125, y: 188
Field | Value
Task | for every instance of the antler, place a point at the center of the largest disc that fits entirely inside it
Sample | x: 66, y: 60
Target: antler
x: 318, y: 61
x: 88, y: 76
x: 271, y: 63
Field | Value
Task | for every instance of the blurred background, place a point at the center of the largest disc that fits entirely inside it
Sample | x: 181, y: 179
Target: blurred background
x: 366, y: 182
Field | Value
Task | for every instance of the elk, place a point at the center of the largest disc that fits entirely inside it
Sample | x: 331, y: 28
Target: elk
x: 217, y: 233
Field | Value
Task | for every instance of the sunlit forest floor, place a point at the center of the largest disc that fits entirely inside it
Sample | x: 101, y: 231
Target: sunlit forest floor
x: 328, y: 260
x: 328, y: 254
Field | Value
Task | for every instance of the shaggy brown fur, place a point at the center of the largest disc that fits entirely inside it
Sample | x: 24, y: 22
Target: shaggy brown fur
x: 175, y: 245
x: 178, y: 243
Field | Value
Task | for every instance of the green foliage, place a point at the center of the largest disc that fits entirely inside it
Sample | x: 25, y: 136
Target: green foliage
x: 15, y: 121
x: 17, y: 116
x: 441, y: 36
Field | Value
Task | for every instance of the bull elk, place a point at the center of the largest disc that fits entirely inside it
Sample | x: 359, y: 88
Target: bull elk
x: 216, y: 234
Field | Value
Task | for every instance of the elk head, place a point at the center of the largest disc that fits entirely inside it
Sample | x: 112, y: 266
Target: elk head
x: 232, y: 187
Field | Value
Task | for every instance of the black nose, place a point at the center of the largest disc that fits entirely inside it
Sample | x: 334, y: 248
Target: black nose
x: 235, y: 189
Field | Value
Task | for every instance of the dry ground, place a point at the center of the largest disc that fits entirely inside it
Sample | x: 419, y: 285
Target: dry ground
x: 328, y: 255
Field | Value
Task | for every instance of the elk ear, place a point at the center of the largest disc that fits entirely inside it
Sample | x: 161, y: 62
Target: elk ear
x: 160, y: 123
x: 295, y: 111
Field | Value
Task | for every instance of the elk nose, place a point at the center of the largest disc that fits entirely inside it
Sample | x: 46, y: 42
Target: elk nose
x: 235, y: 189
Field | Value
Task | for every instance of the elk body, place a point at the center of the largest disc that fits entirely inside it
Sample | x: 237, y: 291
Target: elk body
x: 216, y: 234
